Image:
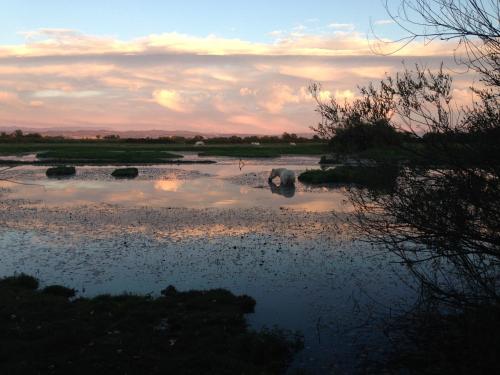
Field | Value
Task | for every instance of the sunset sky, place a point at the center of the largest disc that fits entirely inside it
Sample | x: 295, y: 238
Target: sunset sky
x: 208, y: 66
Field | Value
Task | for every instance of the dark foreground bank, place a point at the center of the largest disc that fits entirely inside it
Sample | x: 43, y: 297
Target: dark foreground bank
x: 49, y: 331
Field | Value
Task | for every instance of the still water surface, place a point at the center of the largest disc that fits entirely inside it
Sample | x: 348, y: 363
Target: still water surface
x: 210, y: 226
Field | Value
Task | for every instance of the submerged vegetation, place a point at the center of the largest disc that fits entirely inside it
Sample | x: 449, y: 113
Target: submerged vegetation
x: 48, y: 331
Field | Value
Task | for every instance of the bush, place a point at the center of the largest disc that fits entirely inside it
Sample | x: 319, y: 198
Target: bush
x: 363, y: 136
x: 20, y: 281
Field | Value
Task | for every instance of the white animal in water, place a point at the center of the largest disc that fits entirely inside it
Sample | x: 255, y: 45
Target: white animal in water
x: 287, y: 177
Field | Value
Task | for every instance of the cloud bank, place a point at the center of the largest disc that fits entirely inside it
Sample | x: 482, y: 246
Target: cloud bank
x: 175, y: 81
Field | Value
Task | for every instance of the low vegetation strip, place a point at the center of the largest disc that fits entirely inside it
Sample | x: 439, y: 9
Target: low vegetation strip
x: 144, y: 152
x: 109, y: 155
x: 263, y: 151
x: 48, y: 331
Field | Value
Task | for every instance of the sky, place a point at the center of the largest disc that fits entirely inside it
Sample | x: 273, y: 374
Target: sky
x: 207, y: 66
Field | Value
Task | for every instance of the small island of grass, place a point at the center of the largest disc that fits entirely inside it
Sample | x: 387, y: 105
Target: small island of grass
x: 61, y: 171
x: 48, y: 331
x: 380, y: 177
x: 125, y: 173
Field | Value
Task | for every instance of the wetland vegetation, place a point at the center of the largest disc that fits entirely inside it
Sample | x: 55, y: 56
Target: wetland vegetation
x: 405, y: 279
x: 153, y: 151
x: 49, y: 331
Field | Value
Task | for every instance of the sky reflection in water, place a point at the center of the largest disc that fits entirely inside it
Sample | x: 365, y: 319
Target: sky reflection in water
x: 175, y: 225
x: 170, y: 190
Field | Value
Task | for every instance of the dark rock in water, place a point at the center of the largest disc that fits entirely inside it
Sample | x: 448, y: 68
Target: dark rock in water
x: 125, y: 173
x: 60, y: 171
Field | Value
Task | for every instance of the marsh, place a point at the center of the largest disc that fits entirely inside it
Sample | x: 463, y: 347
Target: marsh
x: 209, y: 226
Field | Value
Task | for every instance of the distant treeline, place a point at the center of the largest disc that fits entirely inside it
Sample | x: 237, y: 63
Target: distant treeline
x: 21, y: 137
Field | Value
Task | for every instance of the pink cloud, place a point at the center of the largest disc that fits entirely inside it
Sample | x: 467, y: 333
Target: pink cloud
x: 175, y: 81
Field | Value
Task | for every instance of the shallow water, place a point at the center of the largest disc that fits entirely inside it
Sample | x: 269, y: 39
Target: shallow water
x: 225, y: 184
x: 209, y: 226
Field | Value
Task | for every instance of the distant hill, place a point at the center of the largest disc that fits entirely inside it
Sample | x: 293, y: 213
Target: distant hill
x: 73, y: 132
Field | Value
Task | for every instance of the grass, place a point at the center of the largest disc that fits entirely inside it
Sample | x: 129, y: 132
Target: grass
x: 47, y: 332
x: 99, y: 155
x: 263, y: 151
x: 125, y: 173
x: 106, y: 152
x: 381, y: 177
x: 91, y: 153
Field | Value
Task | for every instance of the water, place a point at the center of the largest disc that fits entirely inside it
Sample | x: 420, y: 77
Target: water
x: 210, y: 226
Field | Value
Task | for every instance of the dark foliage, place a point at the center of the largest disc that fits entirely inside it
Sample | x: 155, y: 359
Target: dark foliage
x: 44, y: 332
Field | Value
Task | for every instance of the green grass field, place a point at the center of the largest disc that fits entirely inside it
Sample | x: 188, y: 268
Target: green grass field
x: 116, y: 152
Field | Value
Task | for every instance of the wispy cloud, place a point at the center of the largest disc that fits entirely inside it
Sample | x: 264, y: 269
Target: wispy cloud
x: 384, y: 22
x: 65, y: 94
x: 342, y: 26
